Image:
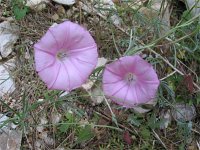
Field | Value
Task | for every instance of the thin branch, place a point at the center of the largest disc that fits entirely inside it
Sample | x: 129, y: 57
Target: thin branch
x: 158, y: 138
x: 169, y: 75
x: 198, y: 145
x: 120, y: 125
x: 113, y: 115
x: 179, y: 61
x: 195, y: 131
x: 117, y: 49
x: 65, y: 140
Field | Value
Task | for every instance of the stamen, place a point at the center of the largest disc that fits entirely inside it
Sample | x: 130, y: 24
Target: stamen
x: 61, y: 55
x: 130, y: 77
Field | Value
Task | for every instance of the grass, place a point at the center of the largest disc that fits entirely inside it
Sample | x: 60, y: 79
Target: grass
x: 174, y: 54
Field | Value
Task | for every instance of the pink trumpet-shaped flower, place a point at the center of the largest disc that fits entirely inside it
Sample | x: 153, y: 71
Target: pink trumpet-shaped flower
x: 65, y: 56
x: 130, y: 81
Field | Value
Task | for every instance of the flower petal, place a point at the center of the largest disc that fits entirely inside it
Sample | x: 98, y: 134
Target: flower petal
x: 50, y: 74
x: 79, y: 37
x: 145, y: 93
x: 131, y: 97
x: 42, y: 63
x: 84, y: 68
x: 63, y: 81
x: 116, y: 69
x: 141, y: 66
x: 76, y: 79
x: 107, y: 77
x: 112, y: 88
x: 149, y: 77
x: 61, y: 34
x: 47, y: 44
x: 119, y: 96
x: 88, y: 55
x: 127, y: 63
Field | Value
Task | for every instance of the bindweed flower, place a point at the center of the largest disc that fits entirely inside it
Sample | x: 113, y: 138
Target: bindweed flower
x: 130, y: 81
x: 65, y: 56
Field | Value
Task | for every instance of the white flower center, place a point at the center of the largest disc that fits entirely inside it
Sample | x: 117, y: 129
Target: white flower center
x: 61, y: 55
x: 130, y: 77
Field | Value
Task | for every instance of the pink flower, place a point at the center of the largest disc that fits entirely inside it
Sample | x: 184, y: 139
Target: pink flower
x: 130, y: 81
x: 65, y: 56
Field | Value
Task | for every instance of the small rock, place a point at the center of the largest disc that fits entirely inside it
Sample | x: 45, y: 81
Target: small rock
x: 60, y: 148
x: 94, y: 91
x: 101, y: 62
x: 7, y: 84
x: 3, y: 118
x: 27, y: 54
x: 83, y: 122
x: 8, y: 125
x: 64, y: 94
x: 37, y: 4
x: 195, y: 4
x: 141, y: 110
x: 55, y: 17
x: 38, y: 144
x: 43, y: 120
x: 166, y: 117
x: 39, y: 128
x: 55, y: 118
x: 54, y: 24
x: 10, y: 64
x: 60, y: 10
x: 43, y: 135
x: 8, y: 37
x: 88, y: 85
x: 65, y: 2
x: 69, y: 13
x: 10, y: 140
x: 49, y: 141
x: 184, y: 112
x: 96, y: 94
x: 116, y: 20
x: 40, y: 100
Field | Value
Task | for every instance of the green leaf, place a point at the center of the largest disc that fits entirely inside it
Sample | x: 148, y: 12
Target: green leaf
x: 85, y: 134
x: 69, y: 117
x: 145, y: 133
x: 67, y: 124
x: 154, y: 123
x: 134, y: 120
x: 185, y: 130
x: 186, y: 15
x: 198, y: 99
x: 64, y: 127
x: 20, y: 12
x: 181, y: 146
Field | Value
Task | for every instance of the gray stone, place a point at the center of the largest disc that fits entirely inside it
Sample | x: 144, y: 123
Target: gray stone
x: 8, y: 37
x: 10, y: 140
x: 65, y: 2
